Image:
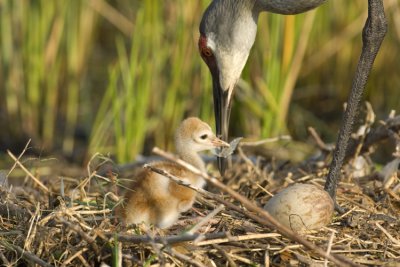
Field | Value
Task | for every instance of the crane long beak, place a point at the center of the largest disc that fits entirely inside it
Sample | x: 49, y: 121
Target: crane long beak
x: 222, y: 110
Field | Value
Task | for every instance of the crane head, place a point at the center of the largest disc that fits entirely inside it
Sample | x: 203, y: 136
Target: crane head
x: 227, y: 33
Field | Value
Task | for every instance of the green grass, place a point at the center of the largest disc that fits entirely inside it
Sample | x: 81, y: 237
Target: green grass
x: 280, y: 55
x: 45, y: 45
x: 128, y: 73
x: 149, y: 87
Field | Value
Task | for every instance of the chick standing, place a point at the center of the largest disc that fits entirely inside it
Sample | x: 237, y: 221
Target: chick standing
x: 155, y: 199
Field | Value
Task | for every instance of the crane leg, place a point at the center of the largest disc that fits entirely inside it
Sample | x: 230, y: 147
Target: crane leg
x: 373, y: 34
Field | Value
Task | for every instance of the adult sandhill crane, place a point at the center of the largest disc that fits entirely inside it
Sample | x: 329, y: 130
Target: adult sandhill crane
x: 227, y: 33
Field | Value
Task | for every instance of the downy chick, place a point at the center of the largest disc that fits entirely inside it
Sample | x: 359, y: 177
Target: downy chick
x: 155, y: 199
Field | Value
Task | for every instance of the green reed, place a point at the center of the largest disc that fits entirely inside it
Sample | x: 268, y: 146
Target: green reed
x: 44, y: 52
x: 56, y: 76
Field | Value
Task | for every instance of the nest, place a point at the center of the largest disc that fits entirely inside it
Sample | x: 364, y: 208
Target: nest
x: 56, y: 220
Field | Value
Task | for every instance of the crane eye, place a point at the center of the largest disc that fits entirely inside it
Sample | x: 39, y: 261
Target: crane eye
x: 207, y: 52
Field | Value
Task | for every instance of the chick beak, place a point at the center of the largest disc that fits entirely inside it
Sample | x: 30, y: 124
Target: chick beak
x: 219, y: 143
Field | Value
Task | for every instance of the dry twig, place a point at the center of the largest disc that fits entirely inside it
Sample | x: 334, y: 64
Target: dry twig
x: 36, y: 180
x: 90, y: 240
x: 30, y: 257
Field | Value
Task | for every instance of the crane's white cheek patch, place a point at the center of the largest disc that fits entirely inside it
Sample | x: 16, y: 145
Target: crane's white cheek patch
x: 230, y: 67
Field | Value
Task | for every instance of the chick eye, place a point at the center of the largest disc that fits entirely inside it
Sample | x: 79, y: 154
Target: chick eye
x: 203, y: 137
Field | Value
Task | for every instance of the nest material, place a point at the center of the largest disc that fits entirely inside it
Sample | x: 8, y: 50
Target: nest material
x: 76, y: 226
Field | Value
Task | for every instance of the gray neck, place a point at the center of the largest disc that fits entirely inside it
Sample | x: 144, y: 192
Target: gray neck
x: 287, y: 7
x: 192, y: 158
x: 223, y: 14
x: 233, y: 10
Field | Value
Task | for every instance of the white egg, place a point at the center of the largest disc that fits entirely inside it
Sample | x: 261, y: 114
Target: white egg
x: 301, y: 207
